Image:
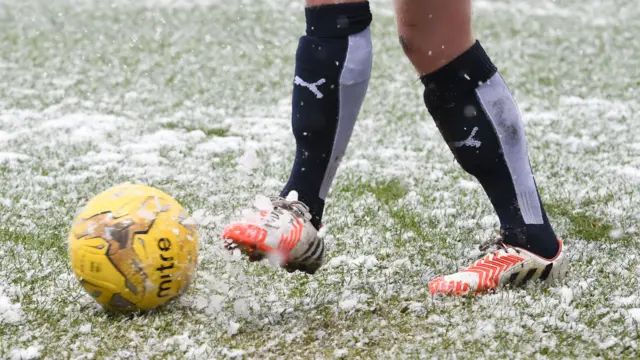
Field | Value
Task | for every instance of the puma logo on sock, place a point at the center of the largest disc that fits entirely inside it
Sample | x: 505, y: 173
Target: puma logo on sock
x: 470, y: 140
x: 311, y: 86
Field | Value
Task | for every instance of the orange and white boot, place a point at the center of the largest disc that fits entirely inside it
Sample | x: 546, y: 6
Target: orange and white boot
x: 281, y: 231
x: 509, y: 265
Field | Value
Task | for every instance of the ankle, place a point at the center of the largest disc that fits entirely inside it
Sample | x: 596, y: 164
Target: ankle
x: 537, y: 239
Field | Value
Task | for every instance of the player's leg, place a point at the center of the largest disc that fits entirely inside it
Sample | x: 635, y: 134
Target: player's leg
x: 333, y: 66
x: 478, y: 117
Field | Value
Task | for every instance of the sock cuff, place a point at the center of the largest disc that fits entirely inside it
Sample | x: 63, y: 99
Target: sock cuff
x: 463, y: 74
x: 338, y: 20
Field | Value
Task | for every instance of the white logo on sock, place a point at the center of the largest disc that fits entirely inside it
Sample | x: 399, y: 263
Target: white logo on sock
x: 470, y: 140
x: 311, y: 86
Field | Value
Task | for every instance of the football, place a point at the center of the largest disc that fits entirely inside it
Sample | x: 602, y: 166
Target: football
x: 133, y: 248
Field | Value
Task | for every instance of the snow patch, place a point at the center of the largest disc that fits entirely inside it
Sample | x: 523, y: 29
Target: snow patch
x: 340, y: 353
x: 220, y: 145
x: 241, y: 308
x: 32, y: 352
x: 616, y: 233
x: 348, y: 304
x: 85, y: 329
x: 248, y: 161
x: 634, y: 314
x: 12, y: 156
x: 628, y: 171
x: 364, y: 261
x: 10, y: 313
x: 233, y: 328
x: 234, y: 353
x: 566, y: 293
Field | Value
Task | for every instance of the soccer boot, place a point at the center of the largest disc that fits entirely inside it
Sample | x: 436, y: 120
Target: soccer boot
x: 281, y: 231
x: 509, y: 265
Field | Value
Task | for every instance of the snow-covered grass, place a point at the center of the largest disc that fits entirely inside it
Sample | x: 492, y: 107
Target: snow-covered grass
x: 193, y: 97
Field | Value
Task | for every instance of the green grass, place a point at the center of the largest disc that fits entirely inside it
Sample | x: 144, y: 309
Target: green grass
x: 583, y: 226
x: 49, y: 241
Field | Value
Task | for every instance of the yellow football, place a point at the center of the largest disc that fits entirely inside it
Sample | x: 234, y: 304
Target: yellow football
x: 133, y: 247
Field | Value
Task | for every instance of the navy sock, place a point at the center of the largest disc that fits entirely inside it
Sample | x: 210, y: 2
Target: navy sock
x: 477, y: 116
x: 333, y: 66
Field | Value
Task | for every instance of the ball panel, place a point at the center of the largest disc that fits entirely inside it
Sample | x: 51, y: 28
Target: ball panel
x: 98, y: 274
x: 166, y: 243
x: 131, y: 250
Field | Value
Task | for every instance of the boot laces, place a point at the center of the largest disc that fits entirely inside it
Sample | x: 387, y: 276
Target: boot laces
x: 298, y: 208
